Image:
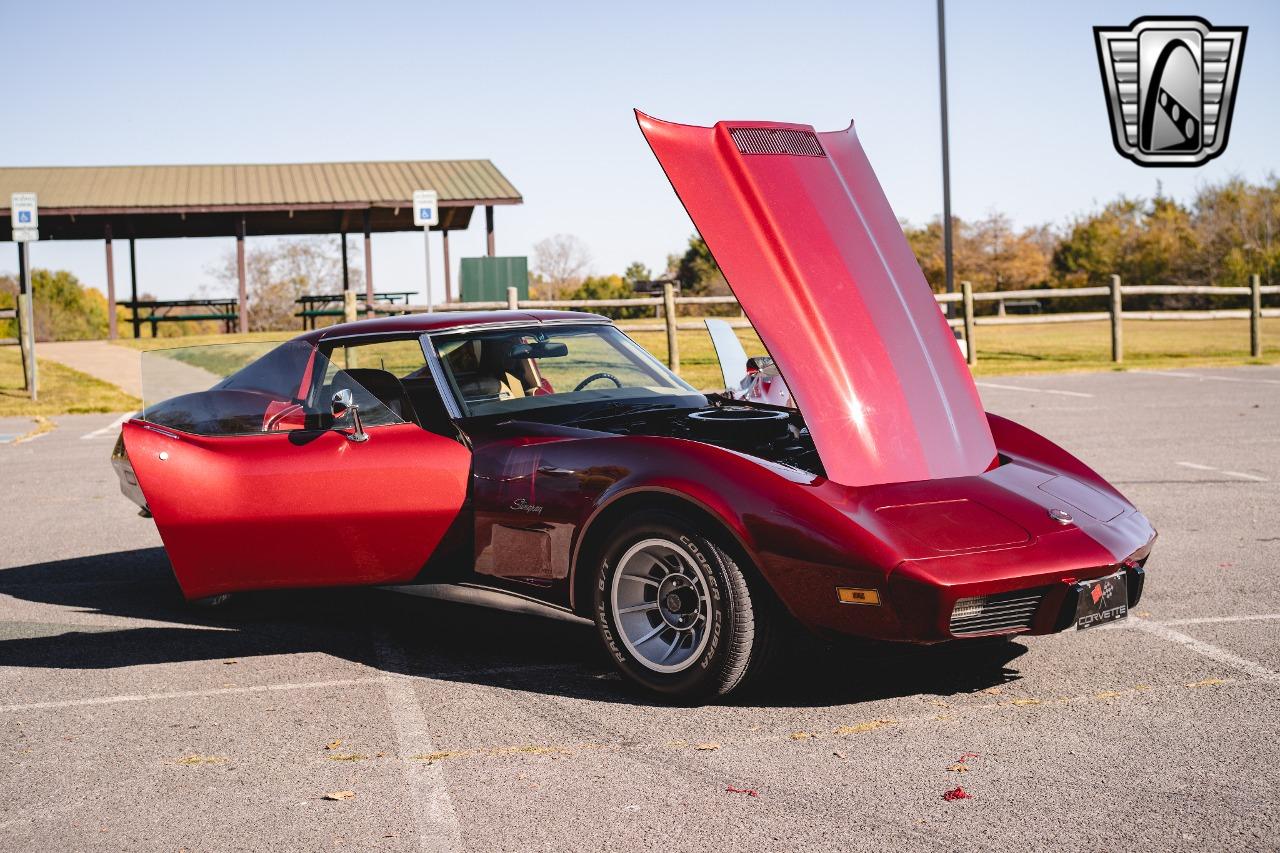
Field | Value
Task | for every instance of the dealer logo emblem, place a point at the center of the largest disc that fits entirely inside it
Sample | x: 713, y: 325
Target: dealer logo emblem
x: 1171, y: 85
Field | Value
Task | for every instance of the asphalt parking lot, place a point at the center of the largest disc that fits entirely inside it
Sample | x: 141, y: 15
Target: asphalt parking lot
x: 129, y: 721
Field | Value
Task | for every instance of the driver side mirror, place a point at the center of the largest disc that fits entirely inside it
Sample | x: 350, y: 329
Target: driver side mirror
x: 344, y: 404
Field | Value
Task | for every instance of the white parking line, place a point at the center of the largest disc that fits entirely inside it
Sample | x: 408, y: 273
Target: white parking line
x: 110, y: 428
x: 1242, y: 475
x: 1245, y: 476
x: 437, y: 822
x: 186, y: 694
x: 1208, y: 620
x: 1032, y: 390
x: 1208, y: 650
x: 1213, y: 378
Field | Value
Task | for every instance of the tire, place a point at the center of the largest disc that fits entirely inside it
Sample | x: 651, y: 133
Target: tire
x: 662, y: 578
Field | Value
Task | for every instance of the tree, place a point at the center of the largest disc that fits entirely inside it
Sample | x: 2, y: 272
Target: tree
x: 610, y: 287
x: 989, y: 252
x: 636, y: 272
x: 1237, y: 226
x: 697, y: 271
x: 1142, y: 242
x: 277, y: 273
x: 559, y: 262
x: 63, y: 308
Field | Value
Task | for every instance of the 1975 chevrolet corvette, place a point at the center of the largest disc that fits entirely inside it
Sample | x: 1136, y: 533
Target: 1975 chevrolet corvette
x: 544, y: 458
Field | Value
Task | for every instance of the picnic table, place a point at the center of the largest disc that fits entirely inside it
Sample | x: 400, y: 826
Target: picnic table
x: 319, y: 305
x: 156, y: 312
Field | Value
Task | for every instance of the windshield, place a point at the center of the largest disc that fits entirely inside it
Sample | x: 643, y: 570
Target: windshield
x: 509, y: 371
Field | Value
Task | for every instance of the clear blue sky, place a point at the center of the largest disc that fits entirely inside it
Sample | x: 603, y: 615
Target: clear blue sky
x: 546, y: 90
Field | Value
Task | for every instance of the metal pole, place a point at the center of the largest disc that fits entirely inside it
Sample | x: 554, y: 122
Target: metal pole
x: 971, y: 351
x: 26, y: 323
x: 513, y: 298
x: 1255, y: 315
x: 133, y: 285
x: 112, y: 331
x: 448, y: 275
x: 1117, y: 331
x: 946, y: 151
x: 426, y: 243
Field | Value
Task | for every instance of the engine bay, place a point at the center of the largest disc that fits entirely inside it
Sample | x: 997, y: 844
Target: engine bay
x: 767, y: 432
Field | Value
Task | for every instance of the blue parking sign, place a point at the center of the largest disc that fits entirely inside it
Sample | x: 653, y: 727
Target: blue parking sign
x: 425, y: 213
x: 24, y: 216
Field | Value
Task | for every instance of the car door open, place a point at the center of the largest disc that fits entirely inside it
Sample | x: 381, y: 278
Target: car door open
x: 289, y: 471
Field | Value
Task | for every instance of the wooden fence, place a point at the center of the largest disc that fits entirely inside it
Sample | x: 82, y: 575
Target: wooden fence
x: 665, y: 310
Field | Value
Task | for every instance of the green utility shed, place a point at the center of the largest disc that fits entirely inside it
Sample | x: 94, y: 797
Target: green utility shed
x: 487, y: 279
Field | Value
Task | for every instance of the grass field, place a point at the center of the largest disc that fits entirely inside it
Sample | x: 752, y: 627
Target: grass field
x: 63, y: 391
x: 1152, y: 344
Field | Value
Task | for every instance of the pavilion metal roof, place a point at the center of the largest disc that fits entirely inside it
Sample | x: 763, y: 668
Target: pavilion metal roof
x: 138, y: 189
x: 88, y: 202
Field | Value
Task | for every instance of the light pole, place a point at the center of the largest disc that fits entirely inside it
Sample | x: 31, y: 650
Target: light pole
x: 946, y: 151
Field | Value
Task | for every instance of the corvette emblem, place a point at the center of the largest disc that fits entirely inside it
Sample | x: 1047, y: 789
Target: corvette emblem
x: 1170, y: 84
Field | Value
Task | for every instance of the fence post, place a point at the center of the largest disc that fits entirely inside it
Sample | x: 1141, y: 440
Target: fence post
x: 1255, y: 315
x: 1117, y: 332
x: 971, y: 351
x: 348, y: 306
x: 669, y: 308
x: 513, y: 298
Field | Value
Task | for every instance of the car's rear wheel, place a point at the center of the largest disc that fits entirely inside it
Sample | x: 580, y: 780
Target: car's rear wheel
x: 675, y: 610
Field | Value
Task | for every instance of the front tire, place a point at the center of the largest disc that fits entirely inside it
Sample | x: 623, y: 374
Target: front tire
x: 675, y: 611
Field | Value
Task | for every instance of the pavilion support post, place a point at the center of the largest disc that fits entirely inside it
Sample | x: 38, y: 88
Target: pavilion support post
x: 368, y: 263
x: 241, y: 278
x: 448, y: 277
x: 488, y: 229
x: 112, y: 331
x: 133, y: 288
x: 346, y: 269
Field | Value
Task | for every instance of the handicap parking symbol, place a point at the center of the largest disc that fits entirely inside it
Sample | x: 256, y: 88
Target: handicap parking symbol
x: 24, y: 216
x: 424, y: 213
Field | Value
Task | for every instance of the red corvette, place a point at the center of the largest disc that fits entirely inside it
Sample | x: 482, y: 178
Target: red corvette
x: 543, y: 458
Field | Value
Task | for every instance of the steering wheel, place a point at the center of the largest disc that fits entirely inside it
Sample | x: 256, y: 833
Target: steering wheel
x: 593, y: 377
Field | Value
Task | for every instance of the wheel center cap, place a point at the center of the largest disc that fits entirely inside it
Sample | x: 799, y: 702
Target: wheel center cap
x: 677, y: 601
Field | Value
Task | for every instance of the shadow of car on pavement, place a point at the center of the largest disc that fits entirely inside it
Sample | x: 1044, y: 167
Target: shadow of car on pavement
x: 441, y: 640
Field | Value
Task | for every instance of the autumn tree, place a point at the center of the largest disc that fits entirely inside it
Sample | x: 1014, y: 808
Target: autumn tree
x: 560, y: 262
x: 277, y: 273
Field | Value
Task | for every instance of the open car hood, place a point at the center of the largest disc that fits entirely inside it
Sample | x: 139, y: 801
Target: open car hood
x: 807, y: 241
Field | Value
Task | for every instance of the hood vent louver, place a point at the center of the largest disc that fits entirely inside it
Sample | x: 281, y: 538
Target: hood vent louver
x: 775, y: 140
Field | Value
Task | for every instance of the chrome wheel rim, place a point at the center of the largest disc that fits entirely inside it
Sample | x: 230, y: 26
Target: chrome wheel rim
x: 661, y: 605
